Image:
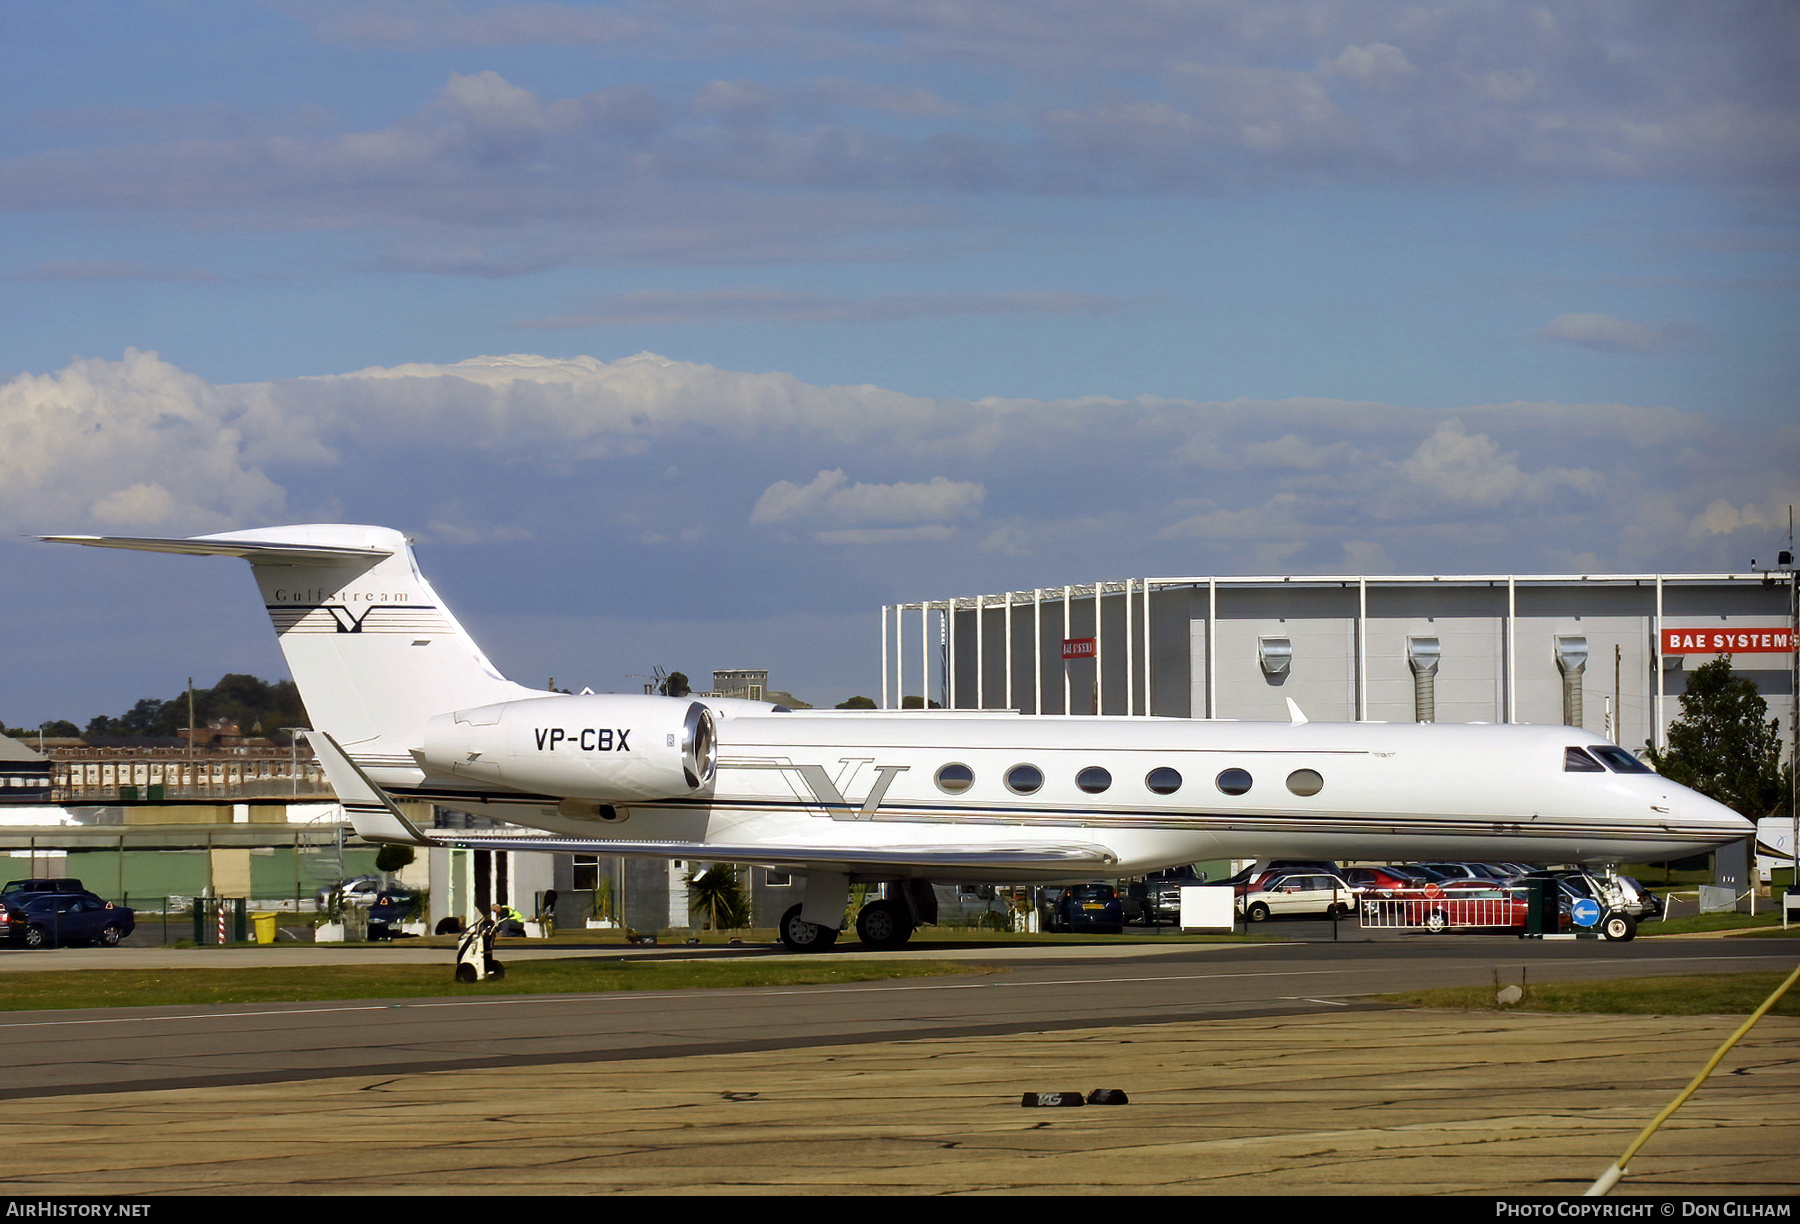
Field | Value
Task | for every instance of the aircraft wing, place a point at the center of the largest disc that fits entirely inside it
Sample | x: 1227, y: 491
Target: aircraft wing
x: 1075, y: 857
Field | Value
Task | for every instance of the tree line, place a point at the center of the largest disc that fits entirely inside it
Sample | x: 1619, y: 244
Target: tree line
x: 257, y: 707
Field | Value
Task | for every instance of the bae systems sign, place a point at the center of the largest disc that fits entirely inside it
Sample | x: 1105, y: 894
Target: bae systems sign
x: 1727, y: 641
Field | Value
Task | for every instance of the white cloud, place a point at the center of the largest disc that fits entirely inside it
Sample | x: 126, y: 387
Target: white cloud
x: 906, y: 501
x: 1463, y: 467
x: 829, y: 497
x: 1292, y: 451
x: 785, y: 501
x: 1276, y: 517
x: 1367, y: 557
x: 652, y: 450
x: 491, y: 176
x: 1369, y: 65
x: 1603, y: 332
x: 1722, y: 518
x: 117, y: 443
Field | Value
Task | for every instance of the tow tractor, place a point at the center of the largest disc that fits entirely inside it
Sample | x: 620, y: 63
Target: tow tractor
x: 1607, y: 906
x: 475, y: 953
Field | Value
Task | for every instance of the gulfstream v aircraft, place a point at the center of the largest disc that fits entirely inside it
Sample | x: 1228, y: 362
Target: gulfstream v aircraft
x: 405, y: 705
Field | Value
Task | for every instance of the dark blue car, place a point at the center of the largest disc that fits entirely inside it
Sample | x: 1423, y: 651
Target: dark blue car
x: 45, y: 920
x: 1090, y: 907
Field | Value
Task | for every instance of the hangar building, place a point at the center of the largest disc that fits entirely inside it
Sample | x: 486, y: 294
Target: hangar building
x: 1607, y: 652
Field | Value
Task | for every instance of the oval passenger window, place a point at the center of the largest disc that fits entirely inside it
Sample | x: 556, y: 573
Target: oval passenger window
x: 1093, y: 779
x: 1234, y: 781
x: 955, y: 779
x: 1024, y: 779
x: 1305, y: 782
x: 1163, y: 781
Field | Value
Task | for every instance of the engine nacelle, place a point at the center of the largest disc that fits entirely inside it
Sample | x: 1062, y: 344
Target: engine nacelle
x: 613, y: 749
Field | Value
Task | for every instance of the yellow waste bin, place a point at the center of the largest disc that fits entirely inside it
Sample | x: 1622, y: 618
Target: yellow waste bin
x: 264, y: 925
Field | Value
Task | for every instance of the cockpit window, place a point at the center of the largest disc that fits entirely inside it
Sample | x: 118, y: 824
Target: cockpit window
x: 1575, y: 760
x: 1620, y: 761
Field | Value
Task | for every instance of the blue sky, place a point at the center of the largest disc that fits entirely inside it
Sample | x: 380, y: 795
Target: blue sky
x: 948, y: 298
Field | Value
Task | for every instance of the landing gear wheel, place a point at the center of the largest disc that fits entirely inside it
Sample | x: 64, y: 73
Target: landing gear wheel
x: 884, y: 925
x: 1259, y: 912
x: 1436, y: 922
x: 802, y: 936
x: 1619, y: 927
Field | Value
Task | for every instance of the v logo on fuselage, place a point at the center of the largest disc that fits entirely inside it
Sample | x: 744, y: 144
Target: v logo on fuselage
x: 828, y: 790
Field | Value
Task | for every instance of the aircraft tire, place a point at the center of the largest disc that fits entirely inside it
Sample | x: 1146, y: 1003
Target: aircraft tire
x: 884, y: 925
x: 1618, y: 928
x: 802, y: 936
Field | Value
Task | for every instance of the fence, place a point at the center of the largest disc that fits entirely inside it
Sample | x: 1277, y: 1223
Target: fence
x: 1446, y: 912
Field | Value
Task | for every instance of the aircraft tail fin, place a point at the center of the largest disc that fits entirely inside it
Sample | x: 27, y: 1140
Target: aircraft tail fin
x: 372, y: 648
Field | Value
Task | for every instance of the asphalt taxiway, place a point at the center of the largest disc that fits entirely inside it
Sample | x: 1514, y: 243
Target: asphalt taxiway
x: 1250, y: 1068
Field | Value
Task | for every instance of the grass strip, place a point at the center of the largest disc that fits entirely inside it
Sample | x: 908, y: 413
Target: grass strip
x: 1703, y: 994
x: 1765, y: 923
x: 82, y: 988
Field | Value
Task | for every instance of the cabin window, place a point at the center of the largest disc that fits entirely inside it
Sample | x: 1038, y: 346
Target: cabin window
x: 1620, y: 761
x: 1577, y: 761
x: 955, y: 779
x: 1024, y: 779
x: 1305, y: 782
x: 1093, y: 780
x: 1234, y: 781
x: 1163, y: 781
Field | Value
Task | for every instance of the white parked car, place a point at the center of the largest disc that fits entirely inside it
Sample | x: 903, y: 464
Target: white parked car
x: 1300, y: 892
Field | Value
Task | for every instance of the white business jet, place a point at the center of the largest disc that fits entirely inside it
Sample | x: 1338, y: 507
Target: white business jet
x: 405, y: 705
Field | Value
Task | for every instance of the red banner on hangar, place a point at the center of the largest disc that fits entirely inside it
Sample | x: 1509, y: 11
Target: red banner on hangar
x: 1079, y: 648
x: 1727, y: 641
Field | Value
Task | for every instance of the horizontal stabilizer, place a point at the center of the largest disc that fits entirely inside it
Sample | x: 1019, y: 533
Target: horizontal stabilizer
x: 368, y: 806
x: 257, y: 552
x: 1076, y: 857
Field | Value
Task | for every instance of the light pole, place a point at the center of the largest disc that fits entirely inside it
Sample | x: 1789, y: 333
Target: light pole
x: 294, y: 756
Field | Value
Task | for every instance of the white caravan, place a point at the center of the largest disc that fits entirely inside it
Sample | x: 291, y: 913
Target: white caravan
x: 405, y: 705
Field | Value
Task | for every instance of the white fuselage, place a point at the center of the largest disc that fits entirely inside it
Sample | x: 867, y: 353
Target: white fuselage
x: 1382, y: 792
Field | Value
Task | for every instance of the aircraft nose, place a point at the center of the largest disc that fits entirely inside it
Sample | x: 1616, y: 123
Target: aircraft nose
x: 1695, y: 806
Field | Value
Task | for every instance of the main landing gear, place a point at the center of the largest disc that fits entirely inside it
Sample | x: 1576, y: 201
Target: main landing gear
x: 882, y: 925
x: 802, y: 936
